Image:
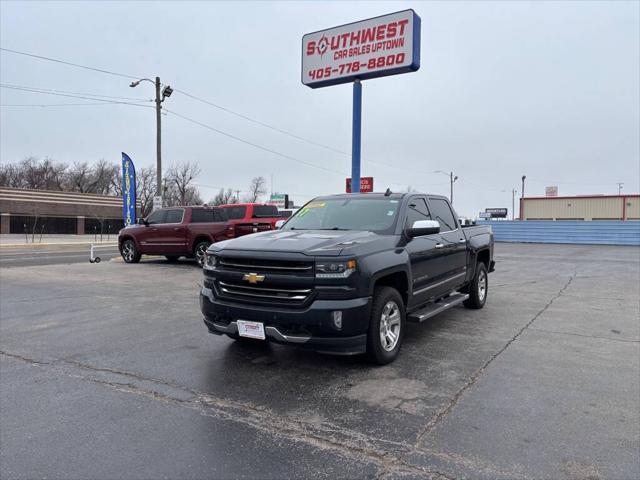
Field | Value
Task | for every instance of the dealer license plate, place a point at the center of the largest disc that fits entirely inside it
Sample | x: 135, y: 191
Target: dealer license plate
x: 251, y: 329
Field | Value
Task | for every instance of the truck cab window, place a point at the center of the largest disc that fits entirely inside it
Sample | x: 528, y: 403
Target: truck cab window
x: 156, y: 217
x: 174, y: 216
x: 201, y: 215
x: 236, y: 213
x: 441, y: 212
x: 417, y: 210
x: 220, y: 215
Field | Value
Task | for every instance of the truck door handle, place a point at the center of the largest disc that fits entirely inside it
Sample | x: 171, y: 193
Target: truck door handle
x: 177, y: 229
x: 439, y: 245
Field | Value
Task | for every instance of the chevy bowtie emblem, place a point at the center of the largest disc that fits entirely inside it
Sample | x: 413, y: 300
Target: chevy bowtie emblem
x: 253, y: 277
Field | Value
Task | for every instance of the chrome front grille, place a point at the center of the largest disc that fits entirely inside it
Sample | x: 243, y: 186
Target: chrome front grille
x: 262, y: 294
x: 266, y: 266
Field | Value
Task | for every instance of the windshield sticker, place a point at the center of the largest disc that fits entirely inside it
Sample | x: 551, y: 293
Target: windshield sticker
x: 306, y: 209
x: 393, y: 201
x: 390, y: 213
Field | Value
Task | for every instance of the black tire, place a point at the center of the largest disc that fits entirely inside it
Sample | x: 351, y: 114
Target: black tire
x: 172, y: 258
x: 129, y: 252
x: 479, y: 288
x: 387, y: 316
x: 199, y: 251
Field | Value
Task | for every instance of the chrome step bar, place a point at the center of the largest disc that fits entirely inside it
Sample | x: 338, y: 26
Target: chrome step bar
x: 435, y: 308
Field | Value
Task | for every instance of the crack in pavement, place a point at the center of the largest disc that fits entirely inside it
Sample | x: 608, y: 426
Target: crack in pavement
x: 472, y: 380
x: 386, y: 455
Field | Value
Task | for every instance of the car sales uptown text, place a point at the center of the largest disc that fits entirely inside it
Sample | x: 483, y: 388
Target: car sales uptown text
x: 359, y: 42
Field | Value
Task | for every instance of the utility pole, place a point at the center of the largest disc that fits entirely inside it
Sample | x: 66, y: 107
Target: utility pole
x: 513, y: 203
x: 452, y: 179
x: 237, y: 196
x: 158, y: 139
x: 620, y: 185
x: 160, y: 96
x: 451, y: 188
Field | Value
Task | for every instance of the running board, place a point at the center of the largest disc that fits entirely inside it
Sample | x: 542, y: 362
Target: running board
x: 440, y: 306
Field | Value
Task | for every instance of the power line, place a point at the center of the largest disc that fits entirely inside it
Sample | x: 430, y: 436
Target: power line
x: 220, y: 107
x: 258, y: 122
x: 266, y: 149
x: 77, y: 65
x: 76, y: 96
x: 287, y: 133
x: 39, y: 89
x: 45, y: 105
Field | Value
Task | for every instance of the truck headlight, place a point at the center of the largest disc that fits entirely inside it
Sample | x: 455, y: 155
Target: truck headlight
x: 210, y: 261
x: 335, y: 269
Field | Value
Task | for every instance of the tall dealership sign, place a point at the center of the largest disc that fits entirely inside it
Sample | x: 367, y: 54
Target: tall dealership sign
x: 377, y: 47
x: 128, y: 190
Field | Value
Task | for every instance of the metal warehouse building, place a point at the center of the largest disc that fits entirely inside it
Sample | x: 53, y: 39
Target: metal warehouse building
x: 588, y: 207
x: 58, y: 212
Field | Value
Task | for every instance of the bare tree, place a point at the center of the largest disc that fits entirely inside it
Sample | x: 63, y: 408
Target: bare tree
x: 146, y: 189
x: 179, y: 188
x: 39, y: 174
x: 256, y: 189
x: 78, y: 177
x: 10, y: 176
x: 224, y: 197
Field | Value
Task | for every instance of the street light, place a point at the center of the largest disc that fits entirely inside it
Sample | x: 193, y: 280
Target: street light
x: 160, y: 96
x: 452, y: 179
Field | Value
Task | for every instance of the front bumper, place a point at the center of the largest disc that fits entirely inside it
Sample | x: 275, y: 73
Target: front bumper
x: 311, y: 327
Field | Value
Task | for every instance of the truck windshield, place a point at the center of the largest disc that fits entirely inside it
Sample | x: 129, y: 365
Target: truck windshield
x: 366, y: 214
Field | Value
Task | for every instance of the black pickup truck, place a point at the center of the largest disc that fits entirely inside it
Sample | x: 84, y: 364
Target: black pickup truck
x: 346, y: 272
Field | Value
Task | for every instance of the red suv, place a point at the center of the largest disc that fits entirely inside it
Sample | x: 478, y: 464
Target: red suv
x: 175, y: 232
x: 252, y: 217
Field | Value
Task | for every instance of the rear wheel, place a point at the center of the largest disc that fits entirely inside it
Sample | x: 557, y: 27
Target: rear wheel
x: 479, y: 288
x: 129, y: 252
x: 386, y: 326
x: 200, y: 251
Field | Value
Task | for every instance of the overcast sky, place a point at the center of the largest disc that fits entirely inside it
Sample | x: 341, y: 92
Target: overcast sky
x: 546, y: 89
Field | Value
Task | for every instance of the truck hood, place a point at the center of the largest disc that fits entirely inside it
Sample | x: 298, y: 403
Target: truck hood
x: 308, y: 242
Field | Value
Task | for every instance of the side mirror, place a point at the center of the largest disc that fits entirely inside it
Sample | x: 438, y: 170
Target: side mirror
x: 280, y: 223
x: 423, y: 227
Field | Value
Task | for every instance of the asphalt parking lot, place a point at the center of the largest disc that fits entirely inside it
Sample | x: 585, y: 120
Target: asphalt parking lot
x: 107, y: 371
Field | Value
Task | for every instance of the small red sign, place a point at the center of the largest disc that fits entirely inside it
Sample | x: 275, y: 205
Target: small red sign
x: 366, y: 185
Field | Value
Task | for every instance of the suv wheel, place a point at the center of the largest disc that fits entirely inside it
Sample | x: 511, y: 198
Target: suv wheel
x: 200, y: 250
x: 479, y: 288
x: 386, y: 326
x: 129, y: 252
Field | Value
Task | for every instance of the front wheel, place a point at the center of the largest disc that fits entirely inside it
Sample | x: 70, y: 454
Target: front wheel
x: 199, y: 252
x: 129, y: 252
x: 386, y: 326
x: 479, y: 288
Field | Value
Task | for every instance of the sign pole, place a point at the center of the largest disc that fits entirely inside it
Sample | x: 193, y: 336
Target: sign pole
x: 356, y: 136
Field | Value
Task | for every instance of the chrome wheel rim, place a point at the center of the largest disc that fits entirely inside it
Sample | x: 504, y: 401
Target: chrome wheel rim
x: 127, y: 251
x: 482, y: 285
x: 390, y: 326
x: 200, y: 253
